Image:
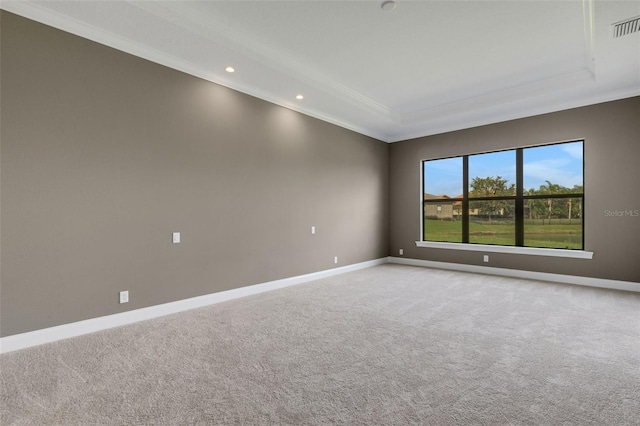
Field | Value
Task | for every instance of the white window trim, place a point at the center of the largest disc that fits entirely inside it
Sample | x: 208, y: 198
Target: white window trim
x: 532, y: 251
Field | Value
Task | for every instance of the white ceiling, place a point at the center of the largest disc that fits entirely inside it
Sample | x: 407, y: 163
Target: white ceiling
x: 426, y: 67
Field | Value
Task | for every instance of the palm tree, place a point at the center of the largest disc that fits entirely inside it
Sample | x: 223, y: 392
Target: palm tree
x: 552, y: 188
x: 529, y: 202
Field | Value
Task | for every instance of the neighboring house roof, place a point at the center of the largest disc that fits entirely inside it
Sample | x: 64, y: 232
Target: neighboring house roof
x: 436, y: 197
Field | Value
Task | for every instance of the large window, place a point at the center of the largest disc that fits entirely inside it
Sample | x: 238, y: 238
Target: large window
x: 526, y: 197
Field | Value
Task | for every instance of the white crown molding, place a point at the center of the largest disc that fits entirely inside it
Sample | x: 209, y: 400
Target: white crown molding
x: 499, y: 97
x: 589, y: 35
x: 456, y: 123
x: 46, y: 16
x: 65, y: 331
x: 570, y: 90
x: 213, y: 29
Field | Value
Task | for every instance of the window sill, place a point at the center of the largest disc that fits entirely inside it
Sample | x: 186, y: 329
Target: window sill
x: 532, y: 251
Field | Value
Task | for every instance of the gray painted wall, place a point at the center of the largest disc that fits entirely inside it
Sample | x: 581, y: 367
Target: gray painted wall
x: 104, y: 155
x: 611, y: 132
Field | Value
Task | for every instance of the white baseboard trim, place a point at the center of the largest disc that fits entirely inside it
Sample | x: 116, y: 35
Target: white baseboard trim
x: 65, y: 331
x: 515, y: 273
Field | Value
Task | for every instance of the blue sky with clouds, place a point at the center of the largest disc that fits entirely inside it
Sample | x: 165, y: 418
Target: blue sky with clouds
x: 560, y: 164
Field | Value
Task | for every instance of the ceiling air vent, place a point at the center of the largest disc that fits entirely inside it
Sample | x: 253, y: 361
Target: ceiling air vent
x: 626, y: 27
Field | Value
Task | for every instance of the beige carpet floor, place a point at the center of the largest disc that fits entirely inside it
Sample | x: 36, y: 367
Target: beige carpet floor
x: 386, y: 345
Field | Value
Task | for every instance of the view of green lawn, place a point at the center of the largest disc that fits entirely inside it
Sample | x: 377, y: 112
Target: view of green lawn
x: 561, y: 233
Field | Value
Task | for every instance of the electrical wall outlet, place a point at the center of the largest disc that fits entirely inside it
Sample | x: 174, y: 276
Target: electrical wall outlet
x: 401, y: 252
x: 313, y: 229
x: 335, y: 259
x: 124, y: 296
x: 485, y: 258
x: 176, y: 238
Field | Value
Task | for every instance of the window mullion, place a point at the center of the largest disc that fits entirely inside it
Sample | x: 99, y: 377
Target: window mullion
x: 519, y: 219
x: 465, y: 199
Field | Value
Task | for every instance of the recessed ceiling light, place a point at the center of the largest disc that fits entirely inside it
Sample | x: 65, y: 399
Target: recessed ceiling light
x: 299, y: 97
x: 230, y: 69
x: 388, y: 5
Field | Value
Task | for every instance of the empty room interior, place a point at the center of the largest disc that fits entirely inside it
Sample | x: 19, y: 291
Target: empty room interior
x: 319, y: 212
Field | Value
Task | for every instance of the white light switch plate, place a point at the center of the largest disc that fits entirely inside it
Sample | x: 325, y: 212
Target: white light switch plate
x: 176, y: 237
